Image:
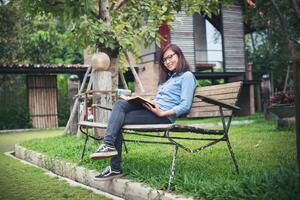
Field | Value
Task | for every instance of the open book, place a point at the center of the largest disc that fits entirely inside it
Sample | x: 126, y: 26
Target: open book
x: 138, y: 100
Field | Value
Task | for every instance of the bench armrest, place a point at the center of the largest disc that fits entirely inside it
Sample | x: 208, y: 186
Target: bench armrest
x: 91, y: 92
x: 217, y: 102
x: 102, y: 107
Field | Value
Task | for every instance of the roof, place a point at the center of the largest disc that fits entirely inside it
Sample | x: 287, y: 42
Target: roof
x: 42, y: 68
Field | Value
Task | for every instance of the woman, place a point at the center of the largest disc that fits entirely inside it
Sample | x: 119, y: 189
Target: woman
x: 174, y: 98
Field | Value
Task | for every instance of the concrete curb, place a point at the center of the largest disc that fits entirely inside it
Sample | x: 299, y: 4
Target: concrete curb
x: 123, y: 188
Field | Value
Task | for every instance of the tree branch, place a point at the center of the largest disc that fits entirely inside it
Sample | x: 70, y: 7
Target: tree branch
x: 123, y: 80
x: 104, y: 12
x: 297, y: 42
x: 55, y: 3
x: 136, y: 76
x: 296, y: 7
x: 280, y: 16
x: 95, y: 14
x: 119, y: 4
x: 251, y: 3
x: 252, y: 42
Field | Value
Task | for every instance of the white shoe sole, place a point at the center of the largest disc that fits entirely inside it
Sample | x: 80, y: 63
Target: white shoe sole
x: 107, y: 178
x: 99, y: 156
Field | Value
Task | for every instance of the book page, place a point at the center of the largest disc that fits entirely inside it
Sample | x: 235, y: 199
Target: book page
x: 138, y: 100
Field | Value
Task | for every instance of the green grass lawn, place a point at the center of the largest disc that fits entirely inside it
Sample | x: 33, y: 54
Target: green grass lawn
x: 266, y: 157
x: 19, y: 181
x: 8, y: 140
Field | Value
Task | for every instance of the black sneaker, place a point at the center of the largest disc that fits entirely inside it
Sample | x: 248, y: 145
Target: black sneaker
x: 104, y: 151
x: 108, y: 174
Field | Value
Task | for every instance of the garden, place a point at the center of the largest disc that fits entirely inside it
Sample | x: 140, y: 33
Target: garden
x: 48, y: 38
x: 266, y: 157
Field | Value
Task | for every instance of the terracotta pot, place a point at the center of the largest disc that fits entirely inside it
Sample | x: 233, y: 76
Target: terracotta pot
x: 285, y: 113
x: 283, y: 110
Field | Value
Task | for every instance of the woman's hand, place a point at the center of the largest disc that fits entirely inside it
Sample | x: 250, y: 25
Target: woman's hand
x: 154, y: 109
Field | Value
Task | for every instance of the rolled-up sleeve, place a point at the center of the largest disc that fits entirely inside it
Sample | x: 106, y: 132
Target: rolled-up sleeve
x: 188, y: 86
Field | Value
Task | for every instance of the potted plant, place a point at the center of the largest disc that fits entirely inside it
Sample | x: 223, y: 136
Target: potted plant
x: 282, y: 104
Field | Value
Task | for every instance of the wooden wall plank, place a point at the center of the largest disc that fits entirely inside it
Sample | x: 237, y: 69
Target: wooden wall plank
x: 233, y: 38
x: 42, y: 101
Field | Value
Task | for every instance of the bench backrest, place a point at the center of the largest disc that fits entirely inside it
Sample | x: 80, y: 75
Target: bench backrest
x: 228, y: 93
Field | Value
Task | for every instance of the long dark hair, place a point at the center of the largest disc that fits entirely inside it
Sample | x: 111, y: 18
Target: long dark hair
x: 182, y: 65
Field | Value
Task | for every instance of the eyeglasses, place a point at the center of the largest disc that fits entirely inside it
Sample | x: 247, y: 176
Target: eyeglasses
x: 168, y: 58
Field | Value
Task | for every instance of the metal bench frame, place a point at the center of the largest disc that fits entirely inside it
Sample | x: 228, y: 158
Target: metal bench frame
x: 167, y: 129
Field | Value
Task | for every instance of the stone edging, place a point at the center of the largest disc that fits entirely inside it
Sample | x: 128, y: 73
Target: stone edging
x: 123, y: 188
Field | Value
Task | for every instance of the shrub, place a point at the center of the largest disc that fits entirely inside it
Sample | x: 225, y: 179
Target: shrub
x: 14, y: 117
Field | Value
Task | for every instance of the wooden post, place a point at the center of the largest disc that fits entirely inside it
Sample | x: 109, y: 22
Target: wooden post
x: 265, y: 95
x: 73, y: 89
x: 258, y: 103
x: 102, y: 81
x: 246, y: 101
x: 249, y: 77
x: 114, y: 77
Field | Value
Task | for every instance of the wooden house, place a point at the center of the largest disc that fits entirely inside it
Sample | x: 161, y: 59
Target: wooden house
x: 189, y: 34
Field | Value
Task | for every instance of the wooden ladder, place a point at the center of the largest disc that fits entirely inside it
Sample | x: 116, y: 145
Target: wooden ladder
x: 86, y: 77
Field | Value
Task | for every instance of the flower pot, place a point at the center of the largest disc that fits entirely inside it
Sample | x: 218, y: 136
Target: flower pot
x: 285, y: 113
x: 283, y: 110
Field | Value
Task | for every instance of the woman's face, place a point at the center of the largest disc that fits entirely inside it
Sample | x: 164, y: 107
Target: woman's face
x: 170, y: 60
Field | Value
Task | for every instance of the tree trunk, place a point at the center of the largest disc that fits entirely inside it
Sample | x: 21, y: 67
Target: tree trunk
x: 295, y: 64
x: 103, y: 80
x: 296, y: 6
x: 104, y: 11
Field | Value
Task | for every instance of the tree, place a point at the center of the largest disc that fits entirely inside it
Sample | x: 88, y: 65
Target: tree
x: 282, y: 20
x: 8, y: 32
x: 266, y: 47
x: 25, y: 38
x: 119, y: 26
x: 34, y: 39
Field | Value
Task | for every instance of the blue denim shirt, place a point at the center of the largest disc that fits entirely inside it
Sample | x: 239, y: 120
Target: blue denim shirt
x: 176, y: 93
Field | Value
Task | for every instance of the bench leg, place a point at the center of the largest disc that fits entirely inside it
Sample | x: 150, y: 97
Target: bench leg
x: 233, y: 156
x: 173, y: 168
x: 84, y: 147
x: 125, y: 146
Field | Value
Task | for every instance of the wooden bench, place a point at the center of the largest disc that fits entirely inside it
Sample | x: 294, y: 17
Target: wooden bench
x: 211, y: 101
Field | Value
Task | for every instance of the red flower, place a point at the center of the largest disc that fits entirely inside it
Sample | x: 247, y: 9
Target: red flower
x: 287, y: 97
